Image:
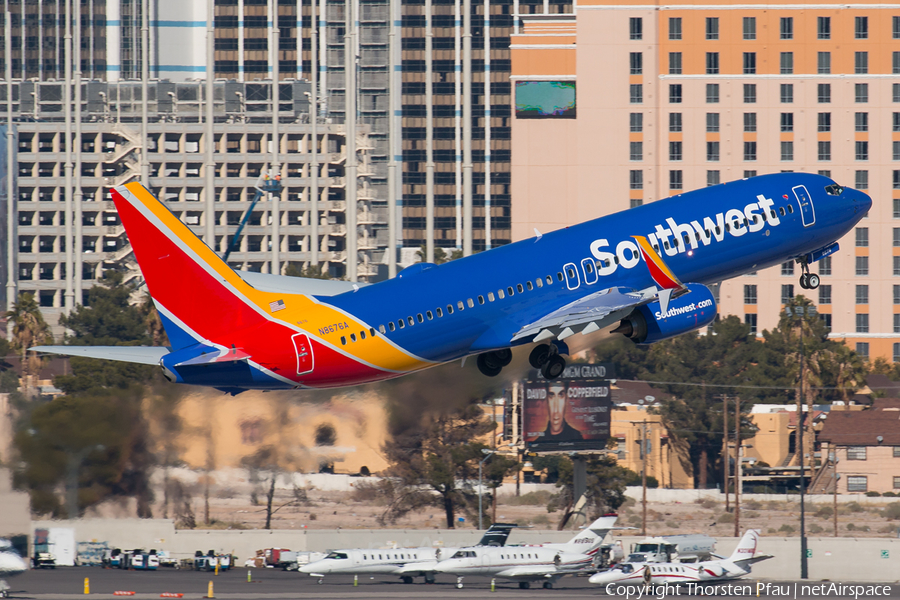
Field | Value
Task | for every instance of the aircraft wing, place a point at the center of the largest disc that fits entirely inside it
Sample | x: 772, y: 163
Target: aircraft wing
x: 529, y: 572
x: 418, y: 567
x: 594, y: 312
x: 144, y: 355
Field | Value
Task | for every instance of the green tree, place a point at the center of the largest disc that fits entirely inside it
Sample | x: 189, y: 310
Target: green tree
x: 605, y: 489
x: 309, y: 272
x: 495, y: 470
x: 29, y: 329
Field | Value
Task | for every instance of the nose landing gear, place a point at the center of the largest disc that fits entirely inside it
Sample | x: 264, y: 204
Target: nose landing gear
x: 808, y: 281
x: 546, y: 358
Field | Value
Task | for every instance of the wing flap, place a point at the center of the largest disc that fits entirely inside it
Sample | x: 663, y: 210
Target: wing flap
x: 143, y: 355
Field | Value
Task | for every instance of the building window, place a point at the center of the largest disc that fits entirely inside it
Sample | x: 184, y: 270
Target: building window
x: 824, y: 294
x: 713, y: 178
x: 787, y: 28
x: 749, y: 63
x: 636, y: 62
x: 787, y: 151
x: 712, y: 122
x: 749, y: 150
x: 861, y: 28
x: 675, y: 63
x: 861, y: 120
x: 862, y: 150
x: 787, y: 63
x: 824, y: 172
x: 748, y: 175
x: 856, y: 453
x: 896, y: 479
x: 787, y: 293
x: 896, y: 323
x: 675, y: 151
x: 676, y: 181
x: 712, y: 93
x: 637, y: 122
x: 749, y: 122
x: 862, y: 237
x: 712, y: 28
x: 862, y: 180
x: 636, y: 93
x: 824, y: 150
x: 824, y: 28
x: 896, y: 180
x: 251, y: 432
x: 749, y: 28
x: 857, y: 483
x: 896, y: 260
x: 749, y: 294
x: 751, y: 321
x: 896, y: 453
x: 862, y: 349
x: 826, y: 318
x: 895, y: 27
x: 824, y: 93
x: 861, y: 92
x: 896, y: 236
x: 636, y: 151
x: 895, y: 62
x: 861, y: 63
x: 749, y: 93
x: 862, y: 323
x: 824, y: 63
x: 675, y: 93
x: 636, y: 179
x: 674, y: 28
x: 787, y: 121
x: 895, y: 92
x: 675, y: 122
x: 896, y: 294
x: 712, y: 152
x: 862, y: 294
x: 635, y: 202
x: 896, y: 212
x: 712, y: 63
x: 636, y: 28
x: 825, y: 266
x: 824, y: 121
x: 787, y: 93
x: 862, y: 265
x: 787, y: 268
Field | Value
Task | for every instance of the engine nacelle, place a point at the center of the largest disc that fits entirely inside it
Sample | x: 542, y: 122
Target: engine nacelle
x: 690, y: 311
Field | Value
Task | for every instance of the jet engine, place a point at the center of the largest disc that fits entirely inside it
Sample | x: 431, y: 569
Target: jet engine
x: 691, y: 310
x: 710, y: 571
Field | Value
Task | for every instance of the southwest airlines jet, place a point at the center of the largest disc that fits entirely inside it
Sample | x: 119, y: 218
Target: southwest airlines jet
x: 645, y: 269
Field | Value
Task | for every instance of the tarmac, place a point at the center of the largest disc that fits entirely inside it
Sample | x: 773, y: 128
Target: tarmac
x: 65, y: 583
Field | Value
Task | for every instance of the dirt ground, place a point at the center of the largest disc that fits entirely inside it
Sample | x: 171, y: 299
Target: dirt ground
x: 330, y: 510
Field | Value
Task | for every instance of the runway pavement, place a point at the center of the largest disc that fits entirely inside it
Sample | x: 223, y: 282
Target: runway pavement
x: 268, y: 584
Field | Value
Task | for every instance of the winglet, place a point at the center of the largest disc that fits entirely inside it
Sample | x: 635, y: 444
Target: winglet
x: 662, y: 275
x: 538, y: 234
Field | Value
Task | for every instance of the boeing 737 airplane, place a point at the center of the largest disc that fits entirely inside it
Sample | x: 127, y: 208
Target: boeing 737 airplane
x: 237, y: 330
x: 723, y: 569
x: 11, y: 564
x: 525, y: 564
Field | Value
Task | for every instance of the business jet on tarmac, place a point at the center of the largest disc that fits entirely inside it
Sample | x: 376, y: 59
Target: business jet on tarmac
x: 11, y: 564
x: 556, y: 292
x: 723, y: 569
x: 407, y: 563
x: 546, y: 562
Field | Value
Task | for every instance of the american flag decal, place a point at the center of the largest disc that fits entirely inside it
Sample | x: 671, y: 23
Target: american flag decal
x: 277, y: 305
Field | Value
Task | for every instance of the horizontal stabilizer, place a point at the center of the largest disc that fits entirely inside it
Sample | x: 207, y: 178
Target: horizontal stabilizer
x: 143, y: 355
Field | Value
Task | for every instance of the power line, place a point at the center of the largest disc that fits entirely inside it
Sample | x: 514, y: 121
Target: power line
x: 731, y: 386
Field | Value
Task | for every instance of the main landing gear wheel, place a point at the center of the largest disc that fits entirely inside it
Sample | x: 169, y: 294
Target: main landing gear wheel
x: 487, y: 367
x: 539, y: 356
x: 554, y: 367
x: 524, y: 585
x: 808, y: 281
x: 548, y: 585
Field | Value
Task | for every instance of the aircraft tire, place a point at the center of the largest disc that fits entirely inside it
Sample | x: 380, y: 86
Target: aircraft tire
x: 502, y: 357
x: 548, y: 585
x: 486, y: 367
x: 554, y: 367
x: 524, y: 585
x: 429, y: 578
x: 406, y: 579
x: 539, y: 356
x: 804, y: 281
x: 812, y: 281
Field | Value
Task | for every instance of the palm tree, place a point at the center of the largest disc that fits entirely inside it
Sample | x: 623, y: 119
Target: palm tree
x: 29, y: 329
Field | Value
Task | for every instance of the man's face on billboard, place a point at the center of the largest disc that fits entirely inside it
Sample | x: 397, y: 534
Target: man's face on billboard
x: 556, y: 403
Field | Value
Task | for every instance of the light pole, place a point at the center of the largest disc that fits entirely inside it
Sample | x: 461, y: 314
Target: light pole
x: 837, y: 477
x: 487, y: 454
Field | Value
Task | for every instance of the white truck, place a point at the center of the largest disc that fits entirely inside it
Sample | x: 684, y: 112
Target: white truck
x: 686, y: 548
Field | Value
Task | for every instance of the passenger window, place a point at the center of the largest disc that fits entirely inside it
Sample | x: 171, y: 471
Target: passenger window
x: 571, y: 272
x: 460, y: 305
x: 420, y: 318
x: 372, y: 331
x: 439, y: 312
x: 500, y: 294
x: 429, y: 315
x: 391, y: 326
x: 510, y: 291
x: 539, y: 282
x: 352, y: 337
x: 550, y: 279
x: 559, y: 274
x: 790, y: 208
x: 362, y: 335
x: 480, y: 299
x: 519, y: 288
x: 449, y: 309
x: 343, y: 341
x: 781, y: 210
x: 410, y: 320
x: 529, y: 286
x: 401, y: 323
x: 471, y: 303
x: 589, y: 267
x: 490, y: 296
x: 666, y: 244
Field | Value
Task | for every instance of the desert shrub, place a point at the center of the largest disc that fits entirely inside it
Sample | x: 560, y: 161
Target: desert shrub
x: 771, y: 531
x: 540, y: 520
x: 725, y: 518
x: 873, y: 494
x: 854, y: 507
x: 854, y: 527
x: 634, y: 520
x: 786, y: 529
x: 530, y: 499
x: 824, y: 512
x: 673, y: 524
x: 753, y: 505
x: 889, y: 495
x: 814, y: 529
x: 887, y: 529
x: 891, y: 511
x: 706, y: 502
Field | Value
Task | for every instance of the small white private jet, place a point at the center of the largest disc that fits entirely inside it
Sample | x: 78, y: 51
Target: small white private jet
x: 735, y: 566
x: 406, y: 563
x: 527, y: 564
x: 11, y: 564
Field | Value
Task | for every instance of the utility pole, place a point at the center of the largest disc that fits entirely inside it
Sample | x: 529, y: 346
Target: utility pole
x: 737, y: 467
x: 644, y: 477
x: 725, y: 470
x: 837, y: 477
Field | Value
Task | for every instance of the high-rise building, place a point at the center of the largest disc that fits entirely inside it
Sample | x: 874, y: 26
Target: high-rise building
x: 683, y: 96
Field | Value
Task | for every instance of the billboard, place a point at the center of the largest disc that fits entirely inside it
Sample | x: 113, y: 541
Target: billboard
x: 545, y: 99
x: 570, y: 413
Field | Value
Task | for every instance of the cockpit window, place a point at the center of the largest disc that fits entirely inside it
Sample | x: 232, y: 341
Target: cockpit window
x: 627, y: 568
x: 464, y: 554
x: 336, y: 555
x: 834, y: 190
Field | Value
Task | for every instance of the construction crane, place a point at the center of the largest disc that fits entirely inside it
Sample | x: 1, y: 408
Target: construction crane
x: 264, y: 185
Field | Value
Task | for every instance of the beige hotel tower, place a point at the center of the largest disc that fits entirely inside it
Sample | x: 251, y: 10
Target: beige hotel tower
x: 674, y: 97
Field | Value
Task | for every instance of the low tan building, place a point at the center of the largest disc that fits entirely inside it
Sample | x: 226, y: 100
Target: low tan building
x: 666, y: 458
x: 864, y: 447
